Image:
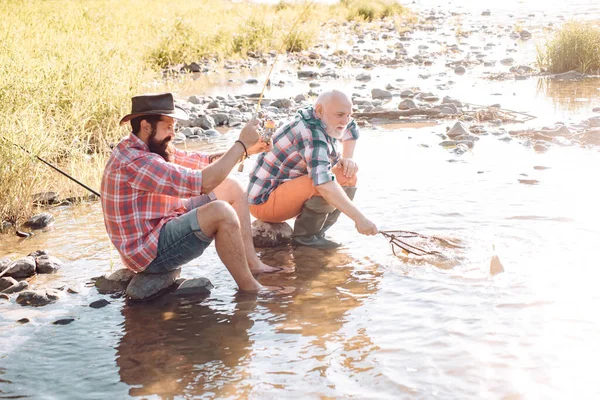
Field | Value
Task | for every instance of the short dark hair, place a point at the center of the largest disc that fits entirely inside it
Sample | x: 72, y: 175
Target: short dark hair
x: 136, y: 123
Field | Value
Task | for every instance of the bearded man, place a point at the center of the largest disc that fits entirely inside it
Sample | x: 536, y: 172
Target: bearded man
x: 305, y: 176
x: 164, y: 206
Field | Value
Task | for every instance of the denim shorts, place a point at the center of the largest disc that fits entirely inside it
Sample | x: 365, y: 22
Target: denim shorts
x: 181, y: 240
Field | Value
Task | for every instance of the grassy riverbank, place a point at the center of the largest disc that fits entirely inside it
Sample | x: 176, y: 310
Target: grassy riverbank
x: 576, y: 46
x: 69, y: 67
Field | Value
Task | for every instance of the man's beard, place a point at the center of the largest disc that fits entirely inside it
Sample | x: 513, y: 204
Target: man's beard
x: 163, y: 148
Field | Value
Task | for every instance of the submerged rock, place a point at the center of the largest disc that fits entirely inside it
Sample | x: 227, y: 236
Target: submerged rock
x: 38, y: 298
x: 146, y: 286
x: 267, y: 234
x: 17, y: 287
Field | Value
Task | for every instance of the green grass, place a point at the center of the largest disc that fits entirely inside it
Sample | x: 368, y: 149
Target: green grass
x: 576, y: 46
x: 68, y: 69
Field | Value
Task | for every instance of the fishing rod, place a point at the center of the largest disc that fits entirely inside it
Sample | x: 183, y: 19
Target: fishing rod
x: 52, y: 166
x: 269, y: 125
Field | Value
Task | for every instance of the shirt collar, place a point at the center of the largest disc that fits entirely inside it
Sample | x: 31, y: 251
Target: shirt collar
x: 137, y: 143
x: 309, y: 117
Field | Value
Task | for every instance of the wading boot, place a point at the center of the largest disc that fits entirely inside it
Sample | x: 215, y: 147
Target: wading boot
x: 310, y: 222
x: 333, y: 216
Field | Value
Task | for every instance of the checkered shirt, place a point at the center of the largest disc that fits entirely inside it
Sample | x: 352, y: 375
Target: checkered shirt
x: 141, y: 192
x: 300, y: 147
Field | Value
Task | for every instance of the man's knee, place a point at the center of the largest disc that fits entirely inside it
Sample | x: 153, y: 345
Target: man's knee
x: 220, y: 212
x: 235, y: 188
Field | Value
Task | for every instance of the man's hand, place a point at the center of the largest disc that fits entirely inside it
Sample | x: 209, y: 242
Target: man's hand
x: 260, y: 147
x: 366, y: 227
x: 249, y: 134
x: 350, y: 168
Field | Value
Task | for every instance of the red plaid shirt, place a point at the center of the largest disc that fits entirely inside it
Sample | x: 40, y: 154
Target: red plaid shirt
x: 141, y: 192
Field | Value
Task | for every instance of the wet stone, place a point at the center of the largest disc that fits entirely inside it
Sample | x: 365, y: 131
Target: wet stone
x: 114, y: 282
x: 47, y: 264
x: 39, y: 221
x: 457, y: 129
x: 194, y: 287
x: 380, y: 94
x: 23, y: 321
x: 64, y: 321
x: 4, y: 296
x: 99, y: 303
x: 146, y: 286
x: 6, y: 282
x: 267, y: 234
x: 38, y: 253
x: 16, y: 288
x: 37, y: 298
x: 46, y: 198
x: 22, y: 268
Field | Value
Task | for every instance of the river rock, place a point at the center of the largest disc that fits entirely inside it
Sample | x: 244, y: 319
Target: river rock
x: 459, y: 70
x: 194, y: 287
x: 282, y: 103
x: 308, y: 74
x: 4, y: 296
x: 407, y: 104
x: 19, y: 286
x: 6, y: 282
x: 5, y: 226
x: 46, y: 198
x: 594, y: 122
x: 38, y: 253
x: 220, y: 119
x: 47, y: 264
x: 407, y: 94
x: 596, y: 109
x: 457, y: 130
x: 146, y: 286
x: 114, y: 282
x: 63, y: 321
x: 38, y: 298
x: 39, y: 221
x: 204, y: 121
x: 22, y: 268
x: 569, y: 75
x: 99, y: 303
x: 4, y: 263
x: 380, y: 94
x: 268, y: 234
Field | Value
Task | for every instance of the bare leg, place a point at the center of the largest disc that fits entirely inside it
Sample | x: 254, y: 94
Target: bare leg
x: 219, y: 220
x: 232, y: 192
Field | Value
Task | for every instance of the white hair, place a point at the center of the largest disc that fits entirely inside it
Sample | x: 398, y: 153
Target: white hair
x: 326, y: 96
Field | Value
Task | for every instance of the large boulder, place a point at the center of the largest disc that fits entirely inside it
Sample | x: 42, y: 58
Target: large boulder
x: 147, y: 286
x: 267, y: 234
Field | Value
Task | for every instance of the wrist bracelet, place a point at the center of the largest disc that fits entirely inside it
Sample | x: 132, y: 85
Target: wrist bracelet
x: 244, y: 146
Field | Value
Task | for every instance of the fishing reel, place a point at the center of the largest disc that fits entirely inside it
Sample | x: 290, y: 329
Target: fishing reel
x: 267, y: 131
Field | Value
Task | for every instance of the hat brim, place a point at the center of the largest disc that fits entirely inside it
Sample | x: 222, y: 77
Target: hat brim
x: 177, y: 113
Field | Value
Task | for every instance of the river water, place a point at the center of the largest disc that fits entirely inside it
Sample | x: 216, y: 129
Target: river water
x: 361, y: 323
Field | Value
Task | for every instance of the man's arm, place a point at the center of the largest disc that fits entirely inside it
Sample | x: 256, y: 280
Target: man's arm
x: 348, y: 147
x: 335, y: 195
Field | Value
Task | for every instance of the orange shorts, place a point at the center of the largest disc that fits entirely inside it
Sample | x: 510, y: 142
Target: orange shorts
x: 287, y: 200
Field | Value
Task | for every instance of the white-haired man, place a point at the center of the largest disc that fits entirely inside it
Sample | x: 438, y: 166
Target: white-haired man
x: 305, y: 176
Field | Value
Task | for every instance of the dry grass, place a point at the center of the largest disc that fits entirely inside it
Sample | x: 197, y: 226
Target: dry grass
x: 68, y: 69
x: 576, y: 46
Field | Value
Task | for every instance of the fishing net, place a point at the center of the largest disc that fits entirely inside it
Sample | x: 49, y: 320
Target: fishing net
x: 407, y: 243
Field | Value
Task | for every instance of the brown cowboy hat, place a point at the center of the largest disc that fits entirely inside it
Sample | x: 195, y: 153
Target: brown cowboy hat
x: 154, y: 104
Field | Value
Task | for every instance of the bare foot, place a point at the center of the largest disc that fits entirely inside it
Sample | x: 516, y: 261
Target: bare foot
x: 269, y: 290
x: 258, y: 267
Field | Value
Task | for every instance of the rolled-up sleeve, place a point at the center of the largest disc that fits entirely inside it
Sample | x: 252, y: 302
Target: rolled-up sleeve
x: 151, y: 173
x: 312, y: 145
x: 351, y: 132
x: 191, y: 159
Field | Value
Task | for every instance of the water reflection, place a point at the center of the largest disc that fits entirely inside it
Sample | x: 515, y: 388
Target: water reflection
x: 568, y: 95
x: 183, y: 347
x: 175, y: 347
